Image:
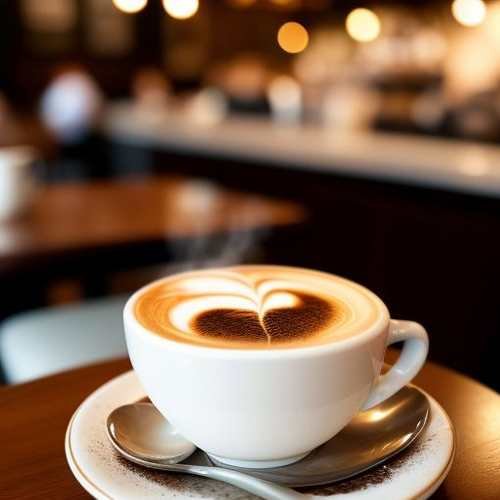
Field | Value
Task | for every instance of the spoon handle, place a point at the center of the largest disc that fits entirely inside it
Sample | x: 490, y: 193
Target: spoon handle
x: 259, y: 487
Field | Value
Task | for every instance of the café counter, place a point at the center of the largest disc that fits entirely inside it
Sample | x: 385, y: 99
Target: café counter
x: 388, y: 157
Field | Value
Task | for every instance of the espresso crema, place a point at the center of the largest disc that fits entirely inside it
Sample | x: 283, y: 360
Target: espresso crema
x: 256, y: 307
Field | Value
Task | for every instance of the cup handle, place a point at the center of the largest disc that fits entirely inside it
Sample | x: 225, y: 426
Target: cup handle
x: 409, y: 363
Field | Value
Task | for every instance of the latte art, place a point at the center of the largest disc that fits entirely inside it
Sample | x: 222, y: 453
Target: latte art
x: 257, y: 307
x: 296, y: 316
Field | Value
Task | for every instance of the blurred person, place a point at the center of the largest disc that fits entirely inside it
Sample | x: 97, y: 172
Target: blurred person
x: 70, y: 107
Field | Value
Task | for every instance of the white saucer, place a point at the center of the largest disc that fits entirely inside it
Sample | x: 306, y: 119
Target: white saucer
x: 416, y: 473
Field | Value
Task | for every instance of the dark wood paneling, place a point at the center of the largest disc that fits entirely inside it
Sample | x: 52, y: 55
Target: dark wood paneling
x: 432, y: 255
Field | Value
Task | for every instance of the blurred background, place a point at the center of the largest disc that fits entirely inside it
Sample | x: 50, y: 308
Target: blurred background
x: 143, y: 137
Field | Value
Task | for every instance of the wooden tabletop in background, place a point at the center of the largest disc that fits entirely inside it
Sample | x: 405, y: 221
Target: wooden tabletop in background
x: 34, y: 416
x: 71, y: 218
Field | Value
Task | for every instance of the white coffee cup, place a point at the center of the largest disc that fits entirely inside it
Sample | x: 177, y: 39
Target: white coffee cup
x: 266, y: 408
x: 16, y: 180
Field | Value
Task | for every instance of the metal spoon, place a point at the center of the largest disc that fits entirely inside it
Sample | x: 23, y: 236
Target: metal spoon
x: 142, y: 435
x: 371, y: 438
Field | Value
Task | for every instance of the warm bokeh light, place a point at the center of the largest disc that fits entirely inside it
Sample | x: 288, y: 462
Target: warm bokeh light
x: 181, y: 9
x: 286, y: 3
x: 363, y: 25
x: 241, y: 3
x: 471, y: 66
x: 469, y: 12
x: 492, y: 22
x: 293, y: 37
x: 130, y: 6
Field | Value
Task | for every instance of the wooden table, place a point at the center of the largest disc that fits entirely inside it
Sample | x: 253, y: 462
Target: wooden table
x: 34, y: 416
x: 85, y: 232
x: 79, y: 219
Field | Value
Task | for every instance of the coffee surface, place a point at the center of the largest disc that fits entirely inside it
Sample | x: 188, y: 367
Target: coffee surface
x: 255, y: 307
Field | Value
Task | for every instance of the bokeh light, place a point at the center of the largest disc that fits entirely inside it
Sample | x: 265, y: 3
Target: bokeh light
x: 130, y: 6
x: 492, y: 23
x: 286, y: 3
x: 293, y: 37
x: 363, y: 25
x: 469, y: 12
x: 181, y: 9
x: 241, y: 3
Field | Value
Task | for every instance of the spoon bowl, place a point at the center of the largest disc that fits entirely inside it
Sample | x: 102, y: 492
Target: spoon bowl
x: 141, y: 430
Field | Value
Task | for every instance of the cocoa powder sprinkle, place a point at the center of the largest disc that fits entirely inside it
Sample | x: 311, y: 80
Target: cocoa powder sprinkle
x: 198, y: 487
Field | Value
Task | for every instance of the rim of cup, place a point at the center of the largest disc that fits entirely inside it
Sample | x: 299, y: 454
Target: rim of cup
x: 378, y: 325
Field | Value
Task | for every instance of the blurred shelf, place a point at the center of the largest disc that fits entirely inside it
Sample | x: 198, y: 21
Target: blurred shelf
x: 462, y: 166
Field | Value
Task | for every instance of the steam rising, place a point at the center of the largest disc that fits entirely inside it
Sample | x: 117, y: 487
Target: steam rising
x: 215, y: 237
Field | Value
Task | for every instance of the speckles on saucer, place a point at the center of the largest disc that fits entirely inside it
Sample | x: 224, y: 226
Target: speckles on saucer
x: 201, y: 488
x: 173, y: 485
x: 196, y: 487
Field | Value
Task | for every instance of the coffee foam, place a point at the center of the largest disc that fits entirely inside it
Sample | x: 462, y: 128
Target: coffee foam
x: 255, y: 307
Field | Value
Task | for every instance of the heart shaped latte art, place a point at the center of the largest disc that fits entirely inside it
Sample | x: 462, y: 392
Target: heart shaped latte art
x: 231, y: 309
x: 280, y: 315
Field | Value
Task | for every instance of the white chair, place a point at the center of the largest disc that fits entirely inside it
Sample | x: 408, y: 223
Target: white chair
x: 46, y: 341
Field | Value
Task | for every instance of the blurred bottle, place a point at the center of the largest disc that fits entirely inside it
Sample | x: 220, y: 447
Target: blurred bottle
x: 244, y: 82
x: 4, y: 111
x: 206, y: 107
x: 350, y: 107
x: 151, y: 89
x: 285, y: 98
x: 17, y: 182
